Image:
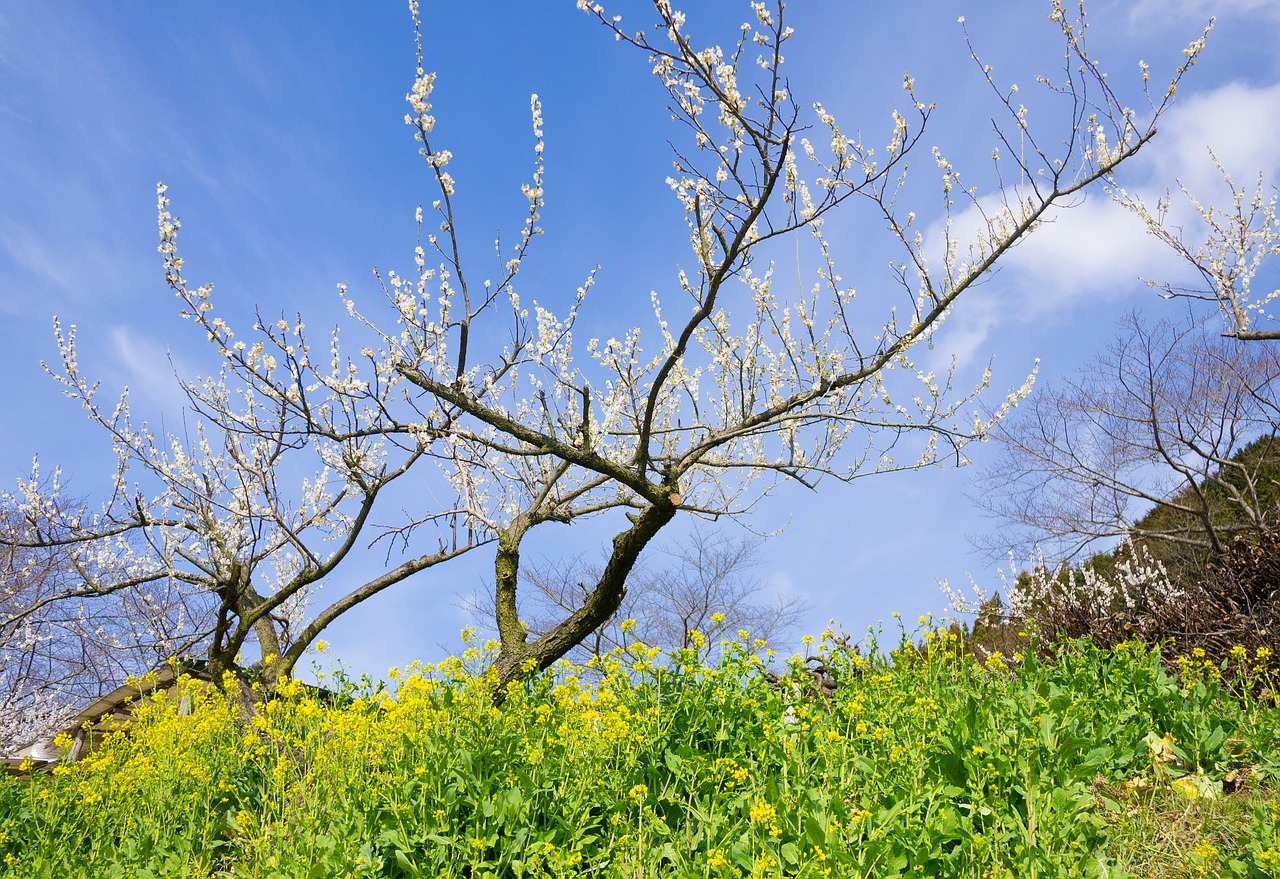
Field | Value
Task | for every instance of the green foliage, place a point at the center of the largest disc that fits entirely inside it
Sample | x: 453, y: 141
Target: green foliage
x: 920, y: 762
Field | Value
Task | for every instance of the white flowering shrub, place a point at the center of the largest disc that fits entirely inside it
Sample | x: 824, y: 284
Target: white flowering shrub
x: 1081, y: 600
x: 1108, y: 599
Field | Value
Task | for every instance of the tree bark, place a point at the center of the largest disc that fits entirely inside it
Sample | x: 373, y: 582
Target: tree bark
x: 518, y: 657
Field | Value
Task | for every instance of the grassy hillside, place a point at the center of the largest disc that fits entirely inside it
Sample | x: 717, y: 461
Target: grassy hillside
x: 918, y: 763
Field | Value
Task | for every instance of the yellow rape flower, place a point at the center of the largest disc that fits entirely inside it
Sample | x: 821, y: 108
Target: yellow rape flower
x: 763, y: 813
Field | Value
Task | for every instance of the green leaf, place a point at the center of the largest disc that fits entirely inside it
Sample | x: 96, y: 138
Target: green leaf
x: 408, y: 866
x: 1097, y: 756
x: 814, y: 833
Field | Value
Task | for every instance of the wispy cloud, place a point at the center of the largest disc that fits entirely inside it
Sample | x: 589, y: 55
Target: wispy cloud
x: 35, y: 256
x: 147, y: 368
x: 964, y: 335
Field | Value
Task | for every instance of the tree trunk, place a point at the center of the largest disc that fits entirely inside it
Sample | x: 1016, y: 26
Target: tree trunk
x: 518, y: 657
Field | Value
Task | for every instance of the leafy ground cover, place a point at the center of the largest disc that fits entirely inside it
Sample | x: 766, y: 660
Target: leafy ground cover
x: 923, y: 761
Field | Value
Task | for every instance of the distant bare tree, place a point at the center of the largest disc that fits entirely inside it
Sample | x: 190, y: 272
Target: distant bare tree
x: 1144, y: 443
x: 702, y: 582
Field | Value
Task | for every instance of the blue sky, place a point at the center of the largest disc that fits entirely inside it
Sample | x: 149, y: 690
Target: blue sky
x: 280, y: 134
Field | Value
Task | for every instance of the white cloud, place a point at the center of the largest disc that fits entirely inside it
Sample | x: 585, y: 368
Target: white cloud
x: 147, y: 368
x: 1237, y: 121
x: 1091, y: 250
x: 1096, y: 249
